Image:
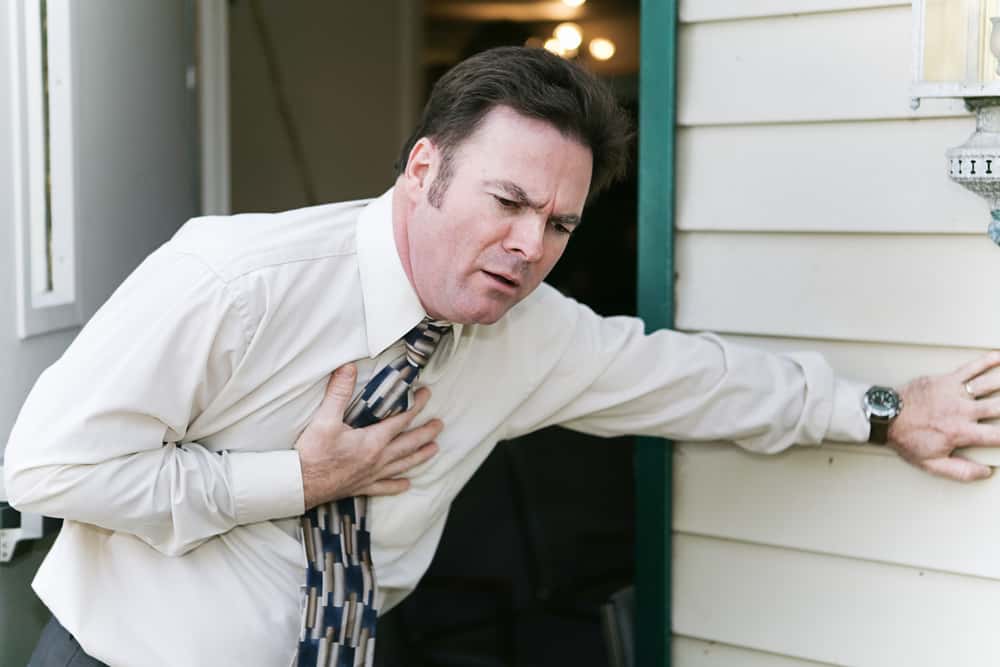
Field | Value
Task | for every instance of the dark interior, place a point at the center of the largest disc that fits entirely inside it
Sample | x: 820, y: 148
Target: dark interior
x: 543, y: 533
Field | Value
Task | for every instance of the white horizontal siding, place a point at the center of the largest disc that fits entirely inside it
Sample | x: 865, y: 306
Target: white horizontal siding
x: 810, y: 67
x: 814, y: 212
x: 831, y: 609
x: 889, y: 364
x: 691, y: 11
x: 698, y: 653
x: 888, y: 176
x: 857, y: 501
x: 932, y: 290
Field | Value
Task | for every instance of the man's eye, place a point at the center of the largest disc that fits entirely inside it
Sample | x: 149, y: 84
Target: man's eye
x: 505, y: 203
x: 561, y: 228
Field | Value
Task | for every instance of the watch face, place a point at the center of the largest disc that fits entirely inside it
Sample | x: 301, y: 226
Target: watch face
x: 882, y: 402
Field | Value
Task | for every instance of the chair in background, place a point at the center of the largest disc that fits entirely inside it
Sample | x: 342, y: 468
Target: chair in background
x: 618, y: 625
x: 573, y: 501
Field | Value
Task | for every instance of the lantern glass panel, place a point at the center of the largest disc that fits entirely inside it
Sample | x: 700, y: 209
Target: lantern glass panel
x: 957, y: 41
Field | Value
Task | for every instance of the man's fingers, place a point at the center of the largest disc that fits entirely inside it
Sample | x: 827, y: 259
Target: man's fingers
x: 987, y: 408
x: 420, y: 398
x: 956, y: 468
x: 977, y: 366
x: 396, y: 424
x: 405, y: 444
x: 979, y: 435
x: 984, y: 384
x: 406, y: 463
x: 385, y: 487
x: 339, y: 389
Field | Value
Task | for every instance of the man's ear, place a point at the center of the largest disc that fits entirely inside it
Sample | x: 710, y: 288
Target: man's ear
x: 421, y: 167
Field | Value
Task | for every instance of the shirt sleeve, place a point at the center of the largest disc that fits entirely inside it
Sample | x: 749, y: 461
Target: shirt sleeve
x: 611, y: 378
x: 101, y: 437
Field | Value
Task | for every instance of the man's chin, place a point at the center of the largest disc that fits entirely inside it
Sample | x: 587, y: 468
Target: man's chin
x: 490, y: 314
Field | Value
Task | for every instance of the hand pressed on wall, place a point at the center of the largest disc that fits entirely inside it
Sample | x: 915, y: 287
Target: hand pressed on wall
x: 944, y: 412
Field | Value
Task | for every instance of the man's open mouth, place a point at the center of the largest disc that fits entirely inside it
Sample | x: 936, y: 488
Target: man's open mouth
x: 509, y: 282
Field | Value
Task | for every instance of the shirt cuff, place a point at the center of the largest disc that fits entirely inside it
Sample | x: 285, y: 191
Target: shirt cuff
x: 848, y: 422
x: 266, y: 485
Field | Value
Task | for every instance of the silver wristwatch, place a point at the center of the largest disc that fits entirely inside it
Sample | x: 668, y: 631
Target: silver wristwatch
x: 882, y: 405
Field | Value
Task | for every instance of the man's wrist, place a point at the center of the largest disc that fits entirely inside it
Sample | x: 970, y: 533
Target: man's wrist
x: 266, y: 485
x: 882, y: 406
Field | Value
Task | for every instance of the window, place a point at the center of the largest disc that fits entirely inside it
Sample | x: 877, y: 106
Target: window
x: 44, y: 167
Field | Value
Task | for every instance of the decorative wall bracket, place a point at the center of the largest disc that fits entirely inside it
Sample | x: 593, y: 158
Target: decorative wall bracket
x: 975, y: 164
x: 956, y: 55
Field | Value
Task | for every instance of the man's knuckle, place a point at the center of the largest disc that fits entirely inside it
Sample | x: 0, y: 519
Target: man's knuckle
x: 324, y: 425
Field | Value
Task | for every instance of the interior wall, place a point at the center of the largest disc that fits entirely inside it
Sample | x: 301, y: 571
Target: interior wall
x: 349, y: 74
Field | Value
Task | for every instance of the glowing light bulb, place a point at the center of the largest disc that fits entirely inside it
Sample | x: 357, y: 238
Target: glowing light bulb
x: 573, y: 3
x: 569, y: 35
x: 601, y: 48
x: 555, y: 46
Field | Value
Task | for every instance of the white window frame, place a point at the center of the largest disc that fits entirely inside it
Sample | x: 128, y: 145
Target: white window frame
x: 43, y: 307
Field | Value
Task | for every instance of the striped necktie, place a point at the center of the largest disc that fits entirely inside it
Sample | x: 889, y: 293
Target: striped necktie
x: 339, y: 614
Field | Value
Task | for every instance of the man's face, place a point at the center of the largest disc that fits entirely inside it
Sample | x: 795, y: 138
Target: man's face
x: 517, y: 191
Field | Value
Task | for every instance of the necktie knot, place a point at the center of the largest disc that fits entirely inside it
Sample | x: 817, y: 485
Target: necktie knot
x: 423, y: 339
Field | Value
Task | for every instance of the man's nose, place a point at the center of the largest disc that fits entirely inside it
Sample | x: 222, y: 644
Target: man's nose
x: 526, y: 237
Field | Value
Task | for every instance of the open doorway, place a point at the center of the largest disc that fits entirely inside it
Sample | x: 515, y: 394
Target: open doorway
x: 322, y: 97
x: 544, y: 532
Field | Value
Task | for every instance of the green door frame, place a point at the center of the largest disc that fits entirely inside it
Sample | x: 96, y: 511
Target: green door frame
x: 653, y: 458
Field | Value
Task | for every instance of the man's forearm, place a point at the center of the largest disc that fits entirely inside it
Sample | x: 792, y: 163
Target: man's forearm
x: 173, y: 497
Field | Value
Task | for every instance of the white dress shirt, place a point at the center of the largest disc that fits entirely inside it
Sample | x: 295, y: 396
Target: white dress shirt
x: 164, y: 435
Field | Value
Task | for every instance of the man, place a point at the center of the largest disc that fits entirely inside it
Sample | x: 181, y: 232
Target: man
x: 196, y: 417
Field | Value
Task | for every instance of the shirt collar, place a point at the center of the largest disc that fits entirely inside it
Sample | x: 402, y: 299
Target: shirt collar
x: 391, y: 305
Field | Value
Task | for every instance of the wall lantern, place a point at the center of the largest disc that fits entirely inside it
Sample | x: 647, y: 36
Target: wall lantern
x: 956, y: 46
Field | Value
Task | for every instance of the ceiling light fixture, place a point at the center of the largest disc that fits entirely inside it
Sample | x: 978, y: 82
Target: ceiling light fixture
x: 569, y: 35
x: 601, y: 48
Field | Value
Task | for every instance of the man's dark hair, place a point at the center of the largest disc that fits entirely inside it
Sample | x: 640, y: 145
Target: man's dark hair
x: 536, y: 84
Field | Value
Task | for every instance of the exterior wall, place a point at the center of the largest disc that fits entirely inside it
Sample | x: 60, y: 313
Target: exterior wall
x: 136, y: 183
x: 350, y: 72
x: 806, y: 189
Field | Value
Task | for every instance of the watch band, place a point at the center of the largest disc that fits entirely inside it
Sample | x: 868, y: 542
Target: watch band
x: 879, y: 433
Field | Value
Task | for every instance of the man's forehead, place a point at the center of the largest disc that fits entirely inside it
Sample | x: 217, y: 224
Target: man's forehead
x: 504, y: 121
x: 526, y: 157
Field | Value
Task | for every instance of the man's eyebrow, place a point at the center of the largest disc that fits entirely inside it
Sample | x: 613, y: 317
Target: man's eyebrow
x: 568, y: 219
x: 516, y: 193
x: 519, y: 196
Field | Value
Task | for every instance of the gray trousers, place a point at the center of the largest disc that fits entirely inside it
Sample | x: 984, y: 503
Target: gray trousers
x: 57, y: 648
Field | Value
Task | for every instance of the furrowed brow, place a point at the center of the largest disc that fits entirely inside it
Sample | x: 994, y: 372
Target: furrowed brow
x: 516, y: 193
x: 519, y: 196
